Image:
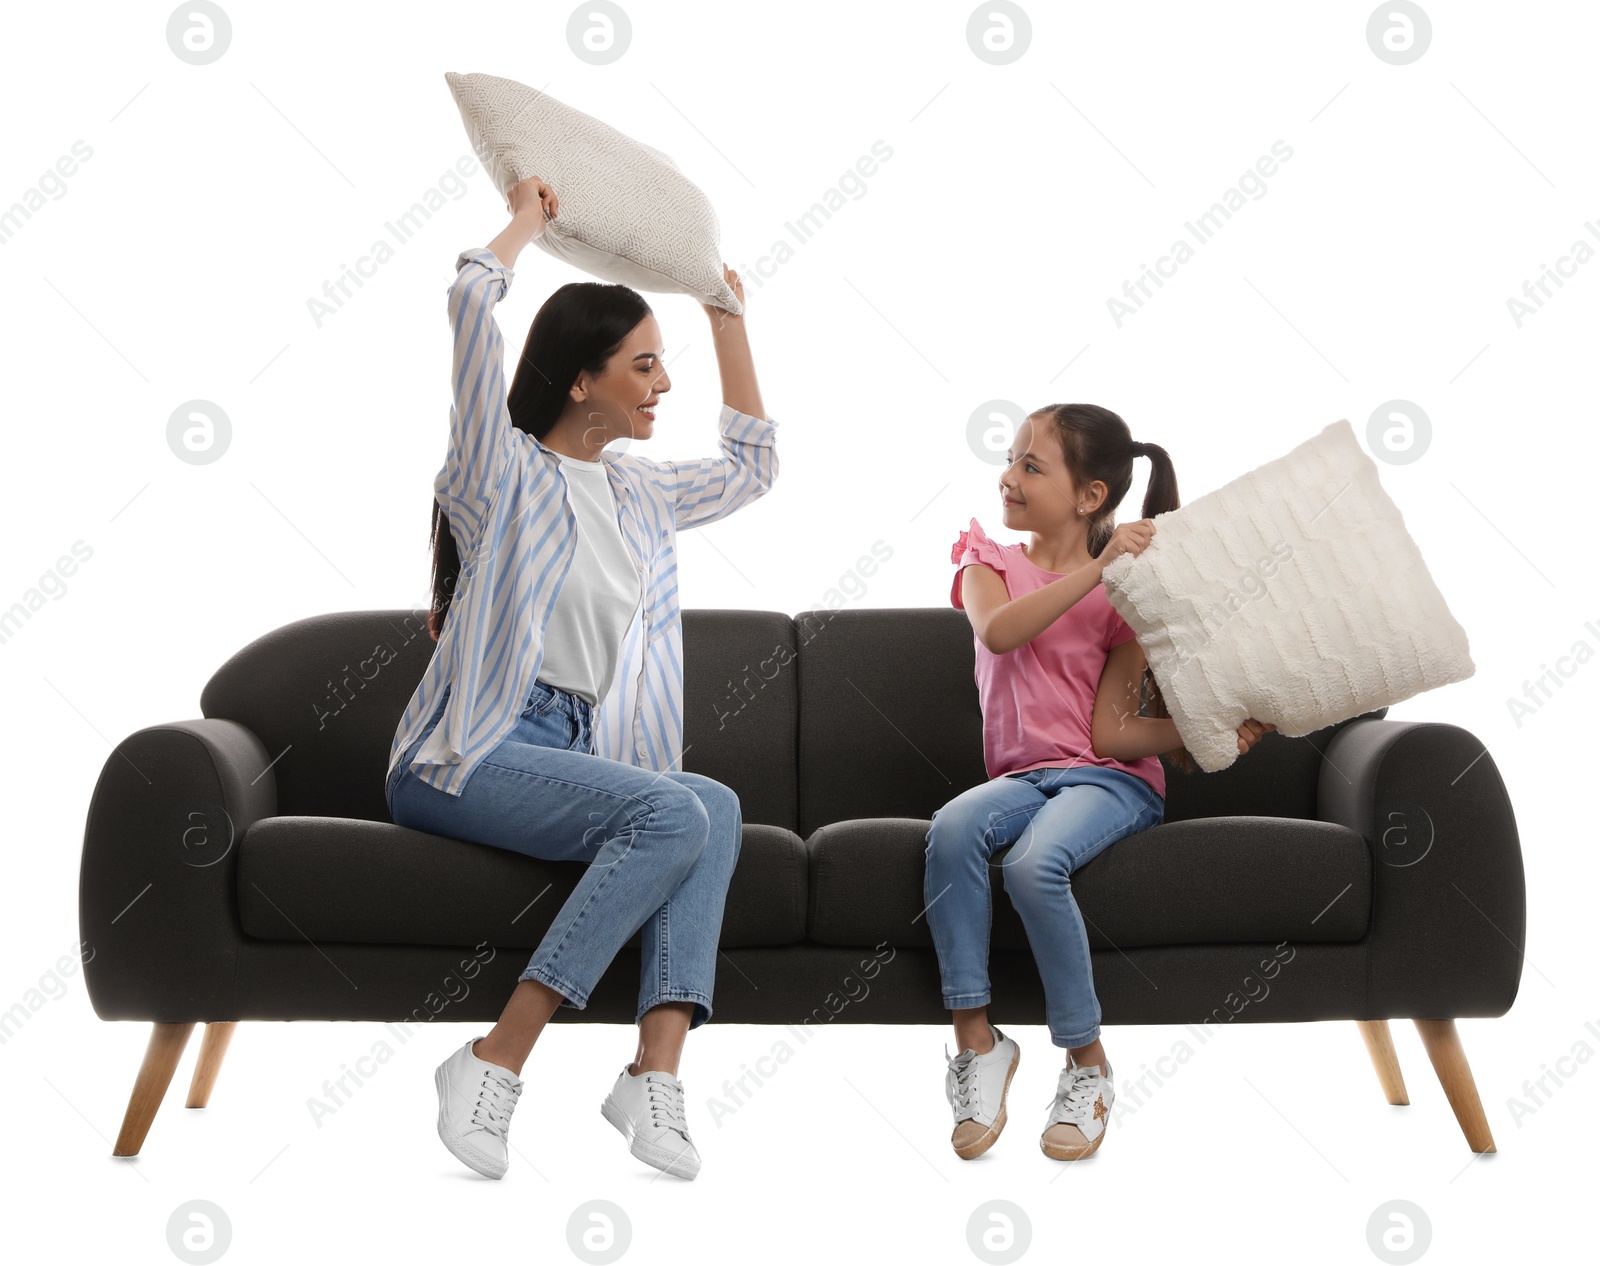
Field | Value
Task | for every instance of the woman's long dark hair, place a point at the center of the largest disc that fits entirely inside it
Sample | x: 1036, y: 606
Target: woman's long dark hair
x: 1097, y: 444
x: 579, y: 327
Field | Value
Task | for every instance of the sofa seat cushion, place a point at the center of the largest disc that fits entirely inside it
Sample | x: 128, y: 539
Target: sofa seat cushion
x: 352, y: 881
x: 1204, y: 881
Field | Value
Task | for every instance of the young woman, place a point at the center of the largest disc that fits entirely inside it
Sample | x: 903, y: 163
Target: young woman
x: 1073, y: 766
x: 549, y: 720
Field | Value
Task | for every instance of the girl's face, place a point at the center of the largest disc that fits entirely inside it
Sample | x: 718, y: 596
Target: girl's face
x: 620, y: 401
x: 1036, y: 489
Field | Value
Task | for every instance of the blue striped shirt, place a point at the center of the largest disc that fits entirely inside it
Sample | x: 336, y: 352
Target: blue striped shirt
x: 504, y: 495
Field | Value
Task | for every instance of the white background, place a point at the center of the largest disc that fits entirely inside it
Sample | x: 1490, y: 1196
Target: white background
x: 977, y: 265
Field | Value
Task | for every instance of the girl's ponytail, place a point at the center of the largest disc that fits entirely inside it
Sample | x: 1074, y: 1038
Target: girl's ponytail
x: 1160, y: 497
x: 1161, y: 493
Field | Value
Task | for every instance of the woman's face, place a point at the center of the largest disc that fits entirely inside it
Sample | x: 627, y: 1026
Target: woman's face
x: 1036, y: 488
x: 621, y: 399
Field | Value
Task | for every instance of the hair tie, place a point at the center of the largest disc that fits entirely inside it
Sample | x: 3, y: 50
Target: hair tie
x: 1140, y: 448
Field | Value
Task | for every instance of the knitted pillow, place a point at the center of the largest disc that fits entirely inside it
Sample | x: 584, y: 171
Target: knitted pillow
x: 627, y: 213
x: 1293, y: 595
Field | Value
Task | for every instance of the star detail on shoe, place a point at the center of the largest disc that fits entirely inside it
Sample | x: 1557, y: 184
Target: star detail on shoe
x: 1100, y: 1107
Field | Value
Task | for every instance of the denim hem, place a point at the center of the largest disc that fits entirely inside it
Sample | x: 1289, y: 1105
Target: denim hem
x: 1075, y: 1041
x: 952, y: 1001
x: 570, y: 995
x: 702, y: 1011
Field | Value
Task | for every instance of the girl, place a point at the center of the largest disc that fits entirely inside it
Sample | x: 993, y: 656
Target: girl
x: 549, y: 719
x: 1073, y: 766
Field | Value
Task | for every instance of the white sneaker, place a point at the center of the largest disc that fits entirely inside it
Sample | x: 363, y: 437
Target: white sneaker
x: 1079, y: 1113
x: 976, y: 1087
x: 476, y: 1099
x: 647, y: 1110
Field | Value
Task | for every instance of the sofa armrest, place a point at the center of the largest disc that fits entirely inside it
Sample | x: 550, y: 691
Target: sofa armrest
x: 157, y: 902
x: 1448, y: 904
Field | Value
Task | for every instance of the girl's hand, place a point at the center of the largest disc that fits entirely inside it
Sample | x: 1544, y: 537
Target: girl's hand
x: 721, y: 315
x: 1129, y: 538
x: 1250, y: 734
x: 534, y: 200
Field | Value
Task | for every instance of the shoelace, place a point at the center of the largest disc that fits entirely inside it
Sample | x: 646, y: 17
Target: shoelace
x: 1072, y: 1105
x: 666, y: 1103
x: 961, y: 1083
x: 494, y: 1112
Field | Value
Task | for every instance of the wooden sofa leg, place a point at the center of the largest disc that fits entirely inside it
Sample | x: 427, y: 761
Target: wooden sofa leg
x: 1443, y: 1044
x: 155, y: 1075
x: 213, y: 1046
x: 1380, y: 1046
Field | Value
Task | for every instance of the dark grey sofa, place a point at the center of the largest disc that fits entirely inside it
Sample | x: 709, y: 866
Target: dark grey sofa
x: 242, y: 865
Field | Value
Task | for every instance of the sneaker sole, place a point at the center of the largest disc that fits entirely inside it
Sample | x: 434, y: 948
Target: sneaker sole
x: 1056, y: 1152
x: 986, y: 1140
x: 679, y: 1165
x: 452, y: 1140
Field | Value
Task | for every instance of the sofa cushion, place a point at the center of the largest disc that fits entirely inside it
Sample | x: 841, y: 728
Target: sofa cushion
x: 1210, y: 881
x: 345, y: 881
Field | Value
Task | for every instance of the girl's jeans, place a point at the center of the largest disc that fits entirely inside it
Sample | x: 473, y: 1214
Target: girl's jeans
x: 660, y: 848
x: 1055, y: 820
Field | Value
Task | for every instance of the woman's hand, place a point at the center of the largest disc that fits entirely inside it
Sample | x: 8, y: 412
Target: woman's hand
x: 535, y: 200
x: 1250, y: 734
x: 720, y: 316
x: 1129, y: 538
x: 532, y: 204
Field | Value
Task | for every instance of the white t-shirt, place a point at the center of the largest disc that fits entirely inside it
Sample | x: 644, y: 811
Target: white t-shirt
x: 597, y: 602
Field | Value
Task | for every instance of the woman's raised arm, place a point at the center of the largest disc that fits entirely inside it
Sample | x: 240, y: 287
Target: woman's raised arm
x: 710, y: 488
x: 480, y: 425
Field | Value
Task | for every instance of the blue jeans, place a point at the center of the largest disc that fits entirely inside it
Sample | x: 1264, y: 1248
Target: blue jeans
x: 1055, y: 820
x: 660, y: 848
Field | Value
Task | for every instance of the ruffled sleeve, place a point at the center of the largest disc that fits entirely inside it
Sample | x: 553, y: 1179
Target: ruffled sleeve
x: 973, y: 546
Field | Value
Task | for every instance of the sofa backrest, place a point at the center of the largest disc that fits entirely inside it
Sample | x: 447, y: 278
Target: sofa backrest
x: 325, y: 695
x: 889, y: 720
x: 741, y: 708
x: 826, y: 716
x: 890, y: 726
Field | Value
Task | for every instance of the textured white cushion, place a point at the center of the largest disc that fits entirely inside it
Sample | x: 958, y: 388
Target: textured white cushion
x: 626, y: 212
x: 1293, y: 595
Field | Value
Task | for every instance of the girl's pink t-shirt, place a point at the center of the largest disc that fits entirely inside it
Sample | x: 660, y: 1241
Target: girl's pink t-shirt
x: 1038, y: 699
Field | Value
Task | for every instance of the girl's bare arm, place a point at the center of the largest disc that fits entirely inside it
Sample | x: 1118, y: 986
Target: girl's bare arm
x: 1003, y: 623
x: 1117, y: 730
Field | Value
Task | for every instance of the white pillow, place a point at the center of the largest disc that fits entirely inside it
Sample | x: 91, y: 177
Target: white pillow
x: 626, y: 212
x: 1293, y: 595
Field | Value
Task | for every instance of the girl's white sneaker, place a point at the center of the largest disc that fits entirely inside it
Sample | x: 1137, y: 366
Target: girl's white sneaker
x: 476, y: 1099
x: 647, y: 1110
x: 1079, y: 1113
x: 976, y: 1086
